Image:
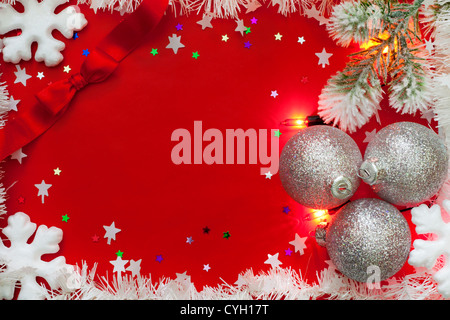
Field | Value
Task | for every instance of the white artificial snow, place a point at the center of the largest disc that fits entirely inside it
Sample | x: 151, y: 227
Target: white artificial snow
x: 427, y: 252
x: 22, y: 262
x: 37, y: 23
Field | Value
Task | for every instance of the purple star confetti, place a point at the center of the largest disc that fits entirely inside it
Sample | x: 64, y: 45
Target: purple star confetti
x: 247, y: 44
x: 159, y: 258
x: 179, y: 27
x: 286, y: 209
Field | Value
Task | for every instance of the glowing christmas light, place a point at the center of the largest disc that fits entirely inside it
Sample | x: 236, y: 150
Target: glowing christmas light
x: 302, y: 122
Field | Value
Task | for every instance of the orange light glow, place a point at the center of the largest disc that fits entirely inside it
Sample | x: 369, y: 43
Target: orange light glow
x: 299, y: 123
x: 317, y: 215
x: 373, y: 43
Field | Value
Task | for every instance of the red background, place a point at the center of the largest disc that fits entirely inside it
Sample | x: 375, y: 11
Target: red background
x: 113, y: 146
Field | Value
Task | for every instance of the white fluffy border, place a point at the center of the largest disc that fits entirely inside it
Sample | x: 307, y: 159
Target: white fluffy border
x: 219, y: 8
x: 275, y: 284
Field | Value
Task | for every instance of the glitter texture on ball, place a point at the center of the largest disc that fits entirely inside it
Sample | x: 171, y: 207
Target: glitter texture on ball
x: 368, y: 233
x: 319, y: 167
x: 406, y: 163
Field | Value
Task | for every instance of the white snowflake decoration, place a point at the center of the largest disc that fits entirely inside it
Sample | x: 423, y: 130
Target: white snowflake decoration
x: 37, y: 23
x: 427, y: 252
x: 22, y: 261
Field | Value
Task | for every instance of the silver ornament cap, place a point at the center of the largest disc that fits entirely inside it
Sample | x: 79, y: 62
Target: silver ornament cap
x: 406, y: 163
x: 366, y: 234
x: 319, y: 167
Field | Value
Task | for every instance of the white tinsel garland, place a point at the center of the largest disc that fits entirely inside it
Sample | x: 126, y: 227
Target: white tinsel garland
x: 4, y: 101
x: 219, y: 8
x: 440, y: 85
x: 275, y: 284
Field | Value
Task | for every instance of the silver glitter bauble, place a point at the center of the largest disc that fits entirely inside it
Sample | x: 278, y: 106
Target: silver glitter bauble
x: 406, y: 163
x: 319, y: 167
x: 368, y: 234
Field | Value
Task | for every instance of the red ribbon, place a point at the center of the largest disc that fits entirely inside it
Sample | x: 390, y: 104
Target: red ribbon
x: 98, y: 66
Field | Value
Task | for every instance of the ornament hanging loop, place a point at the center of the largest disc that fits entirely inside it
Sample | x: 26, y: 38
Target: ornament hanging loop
x: 341, y: 188
x: 368, y: 172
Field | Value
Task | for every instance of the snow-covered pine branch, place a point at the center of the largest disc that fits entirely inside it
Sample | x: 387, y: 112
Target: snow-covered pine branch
x: 351, y: 97
x: 355, y: 22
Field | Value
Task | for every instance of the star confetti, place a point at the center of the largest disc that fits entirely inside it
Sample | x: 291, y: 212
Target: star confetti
x: 67, y: 69
x: 179, y: 27
x: 273, y: 260
x: 277, y: 133
x: 247, y: 44
x: 240, y: 281
x: 57, y: 171
x: 12, y: 104
x: 226, y: 234
x: 206, y: 230
x: 286, y: 210
x: 278, y: 36
x: 111, y: 232
x: 268, y: 175
x: 323, y: 57
x: 65, y: 218
x: 248, y: 30
x: 370, y: 135
x: 240, y: 27
x: 183, y: 278
x: 95, y: 238
x: 314, y: 13
x: 288, y: 252
x: 252, y: 6
x: 119, y: 253
x: 189, y: 240
x: 43, y: 189
x: 18, y: 155
x: 86, y: 52
x: 301, y: 40
x: 21, y: 76
x: 159, y: 258
x: 135, y: 267
x: 175, y: 43
x: 253, y: 20
x: 428, y: 115
x: 154, y: 52
x: 195, y: 55
x: 206, y: 21
x: 40, y: 75
x: 206, y: 267
x: 225, y: 38
x: 274, y: 94
x: 119, y: 265
x: 429, y: 46
x: 299, y: 244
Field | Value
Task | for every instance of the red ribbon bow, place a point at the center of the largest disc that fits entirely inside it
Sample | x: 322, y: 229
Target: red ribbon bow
x: 98, y: 66
x: 57, y: 96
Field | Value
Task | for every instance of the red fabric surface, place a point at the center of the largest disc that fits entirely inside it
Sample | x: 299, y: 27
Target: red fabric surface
x: 114, y: 146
